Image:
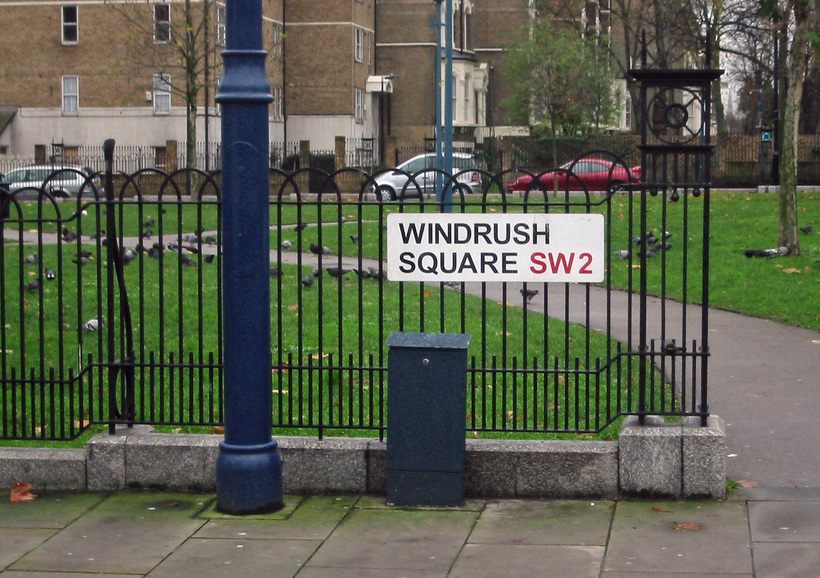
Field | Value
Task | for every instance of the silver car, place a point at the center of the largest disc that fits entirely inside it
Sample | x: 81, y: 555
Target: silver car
x: 61, y: 181
x: 396, y: 183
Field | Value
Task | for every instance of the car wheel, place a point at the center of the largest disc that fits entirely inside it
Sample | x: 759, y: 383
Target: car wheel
x: 385, y: 193
x: 59, y: 194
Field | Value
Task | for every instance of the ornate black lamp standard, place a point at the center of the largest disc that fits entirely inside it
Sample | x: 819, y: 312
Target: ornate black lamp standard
x: 249, y: 467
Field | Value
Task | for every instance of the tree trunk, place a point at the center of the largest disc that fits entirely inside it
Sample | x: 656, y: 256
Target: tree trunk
x: 791, y: 120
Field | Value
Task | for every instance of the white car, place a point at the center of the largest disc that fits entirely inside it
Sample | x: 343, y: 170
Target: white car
x: 59, y: 180
x: 397, y: 183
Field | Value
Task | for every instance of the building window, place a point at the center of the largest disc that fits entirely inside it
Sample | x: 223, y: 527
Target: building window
x: 162, y: 23
x: 162, y: 93
x: 71, y: 94
x: 277, y: 108
x: 278, y: 40
x: 220, y: 25
x: 359, y: 110
x: 70, y: 25
x: 359, y: 47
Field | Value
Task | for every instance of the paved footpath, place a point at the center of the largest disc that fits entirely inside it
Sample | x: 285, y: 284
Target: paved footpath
x: 181, y: 536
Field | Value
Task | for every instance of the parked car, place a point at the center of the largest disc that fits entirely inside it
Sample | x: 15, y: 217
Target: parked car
x: 585, y: 174
x: 390, y: 185
x: 59, y: 180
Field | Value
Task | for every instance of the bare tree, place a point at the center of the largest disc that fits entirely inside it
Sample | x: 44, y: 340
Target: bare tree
x: 182, y: 51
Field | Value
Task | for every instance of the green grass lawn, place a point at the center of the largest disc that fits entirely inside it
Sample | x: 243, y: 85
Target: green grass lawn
x: 782, y: 289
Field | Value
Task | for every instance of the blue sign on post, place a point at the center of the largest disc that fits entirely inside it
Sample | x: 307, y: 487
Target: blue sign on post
x: 248, y: 468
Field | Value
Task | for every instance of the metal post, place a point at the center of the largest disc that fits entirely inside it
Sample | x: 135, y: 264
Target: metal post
x: 448, y: 104
x: 248, y: 468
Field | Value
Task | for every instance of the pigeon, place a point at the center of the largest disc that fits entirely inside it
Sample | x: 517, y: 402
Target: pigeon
x: 186, y: 260
x: 209, y: 240
x: 172, y: 247
x: 316, y: 272
x: 336, y: 272
x: 155, y: 252
x: 377, y: 273
x: 148, y: 224
x: 300, y: 227
x: 320, y: 249
x: 452, y: 284
x: 354, y: 238
x: 193, y: 239
x: 648, y: 253
x: 663, y: 246
x: 528, y: 294
x: 275, y: 272
x: 363, y: 273
x: 623, y: 253
x: 666, y: 235
x: 209, y: 258
x: 81, y: 260
x: 307, y: 281
x: 32, y: 286
x: 767, y: 253
x: 68, y: 235
x: 127, y: 255
x: 808, y: 230
x: 147, y: 234
x: 287, y: 244
x: 32, y: 259
x: 51, y: 274
x: 93, y: 324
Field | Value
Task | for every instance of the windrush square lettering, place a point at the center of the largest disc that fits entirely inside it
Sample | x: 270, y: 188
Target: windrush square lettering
x: 438, y: 247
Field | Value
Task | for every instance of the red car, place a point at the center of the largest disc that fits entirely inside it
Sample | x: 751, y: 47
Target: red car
x: 587, y: 174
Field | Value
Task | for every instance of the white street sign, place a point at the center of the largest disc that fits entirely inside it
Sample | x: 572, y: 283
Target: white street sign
x: 531, y: 247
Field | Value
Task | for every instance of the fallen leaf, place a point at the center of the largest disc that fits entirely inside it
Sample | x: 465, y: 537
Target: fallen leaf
x: 688, y: 526
x: 664, y: 510
x: 753, y: 395
x: 427, y: 294
x: 816, y: 341
x: 22, y: 492
x: 293, y: 307
x: 791, y: 270
x: 747, y: 484
x: 218, y: 430
x: 176, y: 430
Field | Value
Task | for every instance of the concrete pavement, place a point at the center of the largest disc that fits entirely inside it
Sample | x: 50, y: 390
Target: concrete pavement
x: 771, y: 534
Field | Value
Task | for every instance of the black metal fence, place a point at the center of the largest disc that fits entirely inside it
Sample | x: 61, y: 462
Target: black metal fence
x: 110, y: 305
x: 111, y: 310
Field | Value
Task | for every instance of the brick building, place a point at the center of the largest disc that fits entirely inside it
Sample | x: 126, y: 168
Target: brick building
x: 76, y: 74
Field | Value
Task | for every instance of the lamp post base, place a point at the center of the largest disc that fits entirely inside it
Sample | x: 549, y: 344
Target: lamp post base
x: 249, y: 479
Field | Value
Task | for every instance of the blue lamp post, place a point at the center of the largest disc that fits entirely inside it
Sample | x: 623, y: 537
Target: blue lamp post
x: 249, y: 467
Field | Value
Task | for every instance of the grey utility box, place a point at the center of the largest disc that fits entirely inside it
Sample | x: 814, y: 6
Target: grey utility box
x: 426, y: 417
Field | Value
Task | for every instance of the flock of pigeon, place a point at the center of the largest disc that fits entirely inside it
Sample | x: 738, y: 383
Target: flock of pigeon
x: 336, y: 272
x: 191, y: 244
x: 646, y: 246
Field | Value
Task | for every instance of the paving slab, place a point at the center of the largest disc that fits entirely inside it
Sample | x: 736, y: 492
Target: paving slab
x: 545, y: 561
x: 13, y: 574
x: 128, y: 533
x: 684, y: 537
x: 785, y: 521
x: 314, y: 518
x: 786, y: 560
x: 369, y: 573
x: 219, y: 557
x: 396, y: 539
x: 571, y: 522
x: 16, y: 542
x: 48, y: 510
